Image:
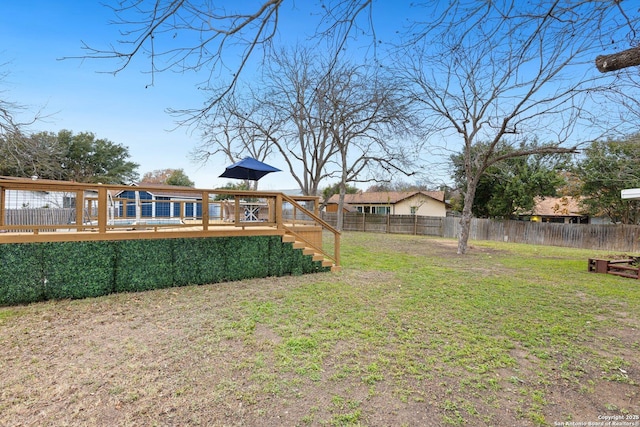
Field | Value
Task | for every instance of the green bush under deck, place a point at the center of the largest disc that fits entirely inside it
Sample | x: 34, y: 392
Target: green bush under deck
x: 31, y: 272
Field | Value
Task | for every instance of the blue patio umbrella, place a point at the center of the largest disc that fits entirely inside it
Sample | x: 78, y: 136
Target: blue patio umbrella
x: 248, y: 169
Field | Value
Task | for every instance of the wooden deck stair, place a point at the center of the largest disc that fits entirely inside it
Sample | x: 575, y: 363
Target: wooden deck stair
x: 288, y: 238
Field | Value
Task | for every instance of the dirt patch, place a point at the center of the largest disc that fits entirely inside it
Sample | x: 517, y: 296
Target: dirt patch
x: 434, y: 246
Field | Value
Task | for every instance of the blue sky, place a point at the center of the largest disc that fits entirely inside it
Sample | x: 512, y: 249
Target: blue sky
x: 77, y: 95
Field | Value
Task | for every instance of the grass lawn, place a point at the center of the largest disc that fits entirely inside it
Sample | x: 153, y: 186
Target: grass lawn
x: 409, y: 333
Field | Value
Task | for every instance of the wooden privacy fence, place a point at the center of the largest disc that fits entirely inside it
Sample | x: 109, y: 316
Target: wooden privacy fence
x: 39, y: 216
x: 587, y: 236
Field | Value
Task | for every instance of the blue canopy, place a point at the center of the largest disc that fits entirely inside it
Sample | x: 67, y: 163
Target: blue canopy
x: 248, y: 169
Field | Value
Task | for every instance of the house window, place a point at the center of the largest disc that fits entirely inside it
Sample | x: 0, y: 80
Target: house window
x: 381, y: 210
x: 163, y: 209
x: 414, y: 210
x: 69, y: 202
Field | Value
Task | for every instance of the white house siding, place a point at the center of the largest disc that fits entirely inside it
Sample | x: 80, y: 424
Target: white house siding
x: 22, y: 199
x: 426, y: 206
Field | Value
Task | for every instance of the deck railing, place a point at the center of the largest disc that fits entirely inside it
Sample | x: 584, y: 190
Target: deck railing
x: 44, y: 210
x: 316, y: 220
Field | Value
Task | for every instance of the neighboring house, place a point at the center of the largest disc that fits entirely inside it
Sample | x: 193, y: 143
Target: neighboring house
x: 425, y: 203
x: 564, y: 210
x: 175, y: 202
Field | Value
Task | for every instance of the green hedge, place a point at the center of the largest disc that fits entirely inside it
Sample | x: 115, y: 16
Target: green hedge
x: 248, y: 257
x: 198, y: 261
x: 21, y: 274
x: 31, y: 272
x: 142, y: 265
x: 77, y: 269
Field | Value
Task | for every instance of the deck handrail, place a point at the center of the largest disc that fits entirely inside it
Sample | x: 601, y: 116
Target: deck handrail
x: 321, y: 222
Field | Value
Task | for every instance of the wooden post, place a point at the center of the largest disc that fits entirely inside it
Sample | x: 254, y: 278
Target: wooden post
x: 205, y: 211
x: 79, y: 210
x: 102, y: 210
x: 336, y: 248
x: 278, y: 211
x: 2, y: 212
x: 236, y: 210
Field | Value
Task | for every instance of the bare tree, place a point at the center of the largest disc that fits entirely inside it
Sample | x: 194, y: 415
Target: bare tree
x: 282, y: 115
x: 338, y: 119
x: 369, y: 121
x: 505, y: 72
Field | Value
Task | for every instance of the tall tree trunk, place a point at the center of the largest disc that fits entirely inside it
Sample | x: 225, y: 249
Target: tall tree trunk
x: 340, y: 220
x: 467, y: 214
x: 343, y: 190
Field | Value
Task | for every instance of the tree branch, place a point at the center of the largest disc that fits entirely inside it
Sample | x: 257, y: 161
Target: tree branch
x: 619, y: 60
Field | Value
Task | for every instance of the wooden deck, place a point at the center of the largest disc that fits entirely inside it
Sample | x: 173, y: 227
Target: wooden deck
x: 55, y: 211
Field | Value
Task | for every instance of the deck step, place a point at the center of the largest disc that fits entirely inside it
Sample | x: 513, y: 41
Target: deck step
x: 317, y: 257
x: 288, y: 238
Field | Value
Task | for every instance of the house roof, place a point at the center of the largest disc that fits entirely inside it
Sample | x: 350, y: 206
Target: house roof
x: 384, y: 197
x: 557, y: 206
